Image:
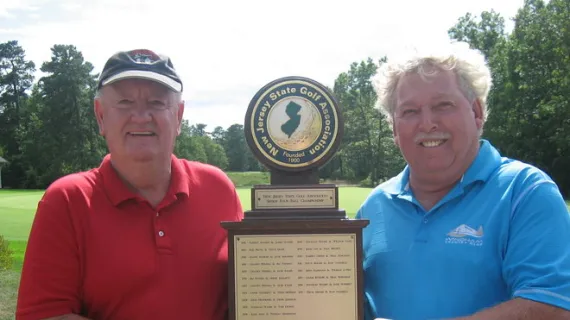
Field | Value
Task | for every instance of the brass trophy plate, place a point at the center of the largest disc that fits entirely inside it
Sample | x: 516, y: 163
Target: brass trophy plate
x: 294, y: 198
x: 301, y: 276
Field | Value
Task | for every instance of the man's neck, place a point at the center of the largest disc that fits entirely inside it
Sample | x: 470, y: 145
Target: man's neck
x: 428, y: 191
x: 148, y: 179
x: 429, y: 188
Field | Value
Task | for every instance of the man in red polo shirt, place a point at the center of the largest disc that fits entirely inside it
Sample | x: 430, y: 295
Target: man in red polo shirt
x: 138, y: 237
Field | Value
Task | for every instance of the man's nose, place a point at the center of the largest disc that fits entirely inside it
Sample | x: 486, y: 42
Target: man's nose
x: 141, y: 113
x: 428, y: 121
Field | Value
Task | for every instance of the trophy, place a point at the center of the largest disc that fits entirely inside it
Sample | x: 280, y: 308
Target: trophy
x: 295, y: 255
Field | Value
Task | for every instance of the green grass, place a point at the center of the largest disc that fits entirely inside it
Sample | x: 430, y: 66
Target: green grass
x: 17, y: 208
x: 9, y: 281
x: 18, y: 248
x: 242, y: 179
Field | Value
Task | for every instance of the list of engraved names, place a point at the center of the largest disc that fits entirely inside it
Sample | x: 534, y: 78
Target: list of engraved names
x: 297, y: 276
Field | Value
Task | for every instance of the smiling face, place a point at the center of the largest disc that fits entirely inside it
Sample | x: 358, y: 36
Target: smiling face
x: 435, y: 126
x: 139, y: 119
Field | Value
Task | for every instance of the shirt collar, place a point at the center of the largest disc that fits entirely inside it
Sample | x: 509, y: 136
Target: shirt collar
x: 117, y: 191
x: 400, y: 183
x: 484, y: 164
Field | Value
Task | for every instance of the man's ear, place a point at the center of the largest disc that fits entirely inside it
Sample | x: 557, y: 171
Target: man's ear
x: 98, y: 109
x: 180, y: 114
x: 478, y: 113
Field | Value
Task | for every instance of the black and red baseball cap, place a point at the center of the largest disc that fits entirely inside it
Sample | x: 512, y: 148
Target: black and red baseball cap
x: 141, y: 64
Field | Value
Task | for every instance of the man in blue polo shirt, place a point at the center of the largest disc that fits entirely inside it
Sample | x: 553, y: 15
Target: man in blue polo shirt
x: 461, y: 232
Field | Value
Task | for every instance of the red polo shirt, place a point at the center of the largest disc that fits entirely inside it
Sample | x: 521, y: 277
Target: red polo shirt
x: 99, y: 250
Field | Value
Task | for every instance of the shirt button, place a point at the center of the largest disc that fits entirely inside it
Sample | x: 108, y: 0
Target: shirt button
x: 425, y: 220
x: 161, y: 234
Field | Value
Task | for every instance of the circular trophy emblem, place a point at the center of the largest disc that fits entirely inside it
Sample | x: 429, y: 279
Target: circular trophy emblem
x: 294, y: 124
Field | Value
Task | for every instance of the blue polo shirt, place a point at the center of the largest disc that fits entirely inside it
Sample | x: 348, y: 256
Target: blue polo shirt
x: 502, y: 232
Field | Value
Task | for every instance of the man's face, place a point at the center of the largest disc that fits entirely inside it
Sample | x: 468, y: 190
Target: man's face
x: 435, y: 126
x: 140, y: 119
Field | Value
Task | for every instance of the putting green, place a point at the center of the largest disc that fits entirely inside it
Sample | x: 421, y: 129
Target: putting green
x: 17, y: 208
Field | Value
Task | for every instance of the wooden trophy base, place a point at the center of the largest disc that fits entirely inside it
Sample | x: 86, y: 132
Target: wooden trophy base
x: 301, y: 269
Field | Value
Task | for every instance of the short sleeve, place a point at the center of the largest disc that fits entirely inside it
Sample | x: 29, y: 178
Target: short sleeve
x: 537, y: 256
x: 49, y: 283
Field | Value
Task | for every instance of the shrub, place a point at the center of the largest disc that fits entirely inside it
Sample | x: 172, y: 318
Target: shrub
x: 5, y: 254
x: 248, y: 179
x: 368, y: 183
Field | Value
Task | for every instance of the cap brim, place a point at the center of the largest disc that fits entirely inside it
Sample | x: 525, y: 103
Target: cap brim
x: 141, y: 74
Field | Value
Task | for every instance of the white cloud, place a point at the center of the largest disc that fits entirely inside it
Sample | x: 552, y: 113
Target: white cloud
x: 9, y: 6
x: 226, y: 50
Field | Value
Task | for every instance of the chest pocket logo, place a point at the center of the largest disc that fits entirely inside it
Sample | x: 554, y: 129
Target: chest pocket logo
x: 465, y: 234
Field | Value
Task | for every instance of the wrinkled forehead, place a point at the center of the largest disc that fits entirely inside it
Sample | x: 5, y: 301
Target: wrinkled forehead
x: 134, y: 86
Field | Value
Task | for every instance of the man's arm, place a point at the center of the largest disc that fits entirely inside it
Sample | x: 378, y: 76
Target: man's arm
x: 50, y: 279
x: 520, y: 309
x: 68, y: 317
x: 536, y: 263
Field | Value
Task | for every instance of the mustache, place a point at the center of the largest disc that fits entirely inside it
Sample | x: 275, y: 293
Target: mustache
x: 431, y: 136
x: 140, y: 129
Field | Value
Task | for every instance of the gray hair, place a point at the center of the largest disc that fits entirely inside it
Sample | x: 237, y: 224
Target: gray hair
x: 470, y: 66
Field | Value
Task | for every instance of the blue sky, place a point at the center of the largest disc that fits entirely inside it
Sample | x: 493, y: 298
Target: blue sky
x: 226, y: 50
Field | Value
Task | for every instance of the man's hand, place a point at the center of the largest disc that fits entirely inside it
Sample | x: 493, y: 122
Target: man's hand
x: 520, y: 309
x: 517, y: 309
x: 68, y: 317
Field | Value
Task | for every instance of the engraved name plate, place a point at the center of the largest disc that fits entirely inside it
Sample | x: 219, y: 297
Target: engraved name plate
x: 288, y: 198
x: 295, y: 276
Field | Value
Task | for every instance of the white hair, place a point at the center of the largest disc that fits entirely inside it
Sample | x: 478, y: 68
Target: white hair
x: 470, y: 66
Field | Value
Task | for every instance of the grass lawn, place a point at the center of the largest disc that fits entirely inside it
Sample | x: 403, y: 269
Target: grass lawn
x: 17, y: 208
x: 8, y: 290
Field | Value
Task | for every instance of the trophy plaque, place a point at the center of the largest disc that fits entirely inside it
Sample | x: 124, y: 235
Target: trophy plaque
x: 295, y: 255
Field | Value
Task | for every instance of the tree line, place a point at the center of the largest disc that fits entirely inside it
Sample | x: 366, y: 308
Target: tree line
x: 47, y: 128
